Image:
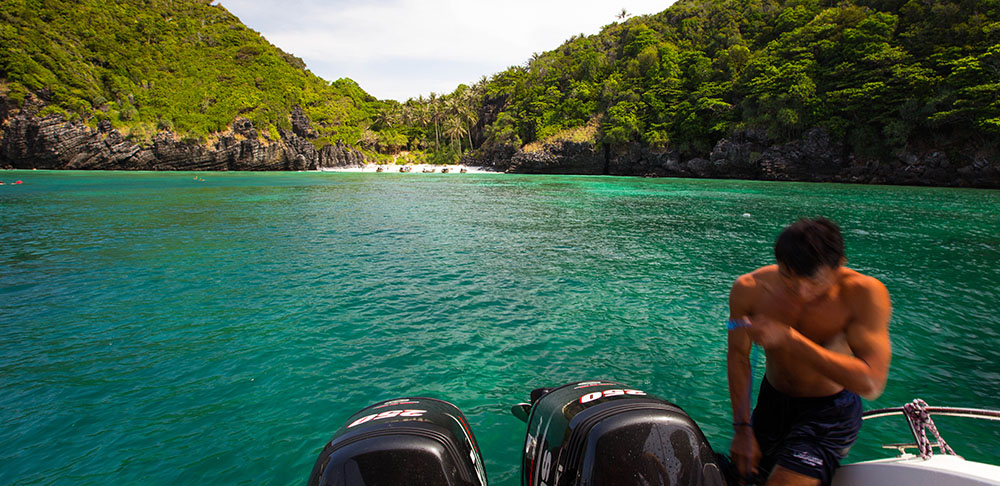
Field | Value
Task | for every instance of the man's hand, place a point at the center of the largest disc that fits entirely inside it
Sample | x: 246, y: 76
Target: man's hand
x: 745, y: 451
x: 767, y: 332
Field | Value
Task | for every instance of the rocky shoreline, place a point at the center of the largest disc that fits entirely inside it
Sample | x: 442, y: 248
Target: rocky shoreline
x: 816, y: 157
x: 30, y: 141
x: 49, y: 142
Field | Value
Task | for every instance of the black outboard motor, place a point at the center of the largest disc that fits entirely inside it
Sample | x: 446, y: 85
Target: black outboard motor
x: 596, y: 433
x: 413, y: 441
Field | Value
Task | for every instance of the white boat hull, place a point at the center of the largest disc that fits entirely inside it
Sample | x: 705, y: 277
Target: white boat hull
x: 939, y: 470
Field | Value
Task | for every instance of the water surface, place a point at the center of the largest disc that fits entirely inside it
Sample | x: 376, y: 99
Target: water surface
x: 159, y: 329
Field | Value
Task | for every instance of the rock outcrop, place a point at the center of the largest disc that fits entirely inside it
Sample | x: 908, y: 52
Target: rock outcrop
x: 49, y: 142
x: 560, y: 158
x: 815, y: 157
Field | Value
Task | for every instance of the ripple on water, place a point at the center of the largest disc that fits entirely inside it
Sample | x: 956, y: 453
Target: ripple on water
x: 221, y: 333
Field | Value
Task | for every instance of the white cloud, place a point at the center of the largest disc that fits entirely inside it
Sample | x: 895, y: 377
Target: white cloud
x: 397, y: 49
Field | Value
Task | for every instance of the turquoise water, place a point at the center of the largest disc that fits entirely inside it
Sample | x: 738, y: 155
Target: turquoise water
x: 159, y: 329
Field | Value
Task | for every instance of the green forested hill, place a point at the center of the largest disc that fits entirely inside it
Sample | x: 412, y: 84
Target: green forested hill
x: 154, y: 65
x: 886, y: 79
x: 909, y: 84
x: 881, y: 74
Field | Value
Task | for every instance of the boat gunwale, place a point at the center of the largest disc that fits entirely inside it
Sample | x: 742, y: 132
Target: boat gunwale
x: 978, y: 413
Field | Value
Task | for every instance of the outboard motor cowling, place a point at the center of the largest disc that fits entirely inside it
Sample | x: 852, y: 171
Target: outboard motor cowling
x: 604, y: 433
x: 414, y: 441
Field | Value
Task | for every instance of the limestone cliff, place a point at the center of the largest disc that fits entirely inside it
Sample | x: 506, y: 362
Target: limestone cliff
x: 30, y: 141
x: 816, y: 157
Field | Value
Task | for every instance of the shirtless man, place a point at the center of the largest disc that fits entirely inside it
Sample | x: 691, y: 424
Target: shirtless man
x: 825, y: 331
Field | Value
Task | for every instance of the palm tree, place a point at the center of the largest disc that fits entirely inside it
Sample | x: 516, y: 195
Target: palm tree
x: 418, y: 111
x: 467, y: 111
x: 406, y: 114
x: 395, y: 114
x: 623, y: 14
x: 454, y: 129
x: 423, y: 113
x: 471, y: 118
x: 453, y: 108
x: 436, y: 116
x: 384, y: 117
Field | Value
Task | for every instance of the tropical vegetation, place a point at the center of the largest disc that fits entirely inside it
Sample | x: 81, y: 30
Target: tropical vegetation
x: 883, y: 76
x: 149, y: 66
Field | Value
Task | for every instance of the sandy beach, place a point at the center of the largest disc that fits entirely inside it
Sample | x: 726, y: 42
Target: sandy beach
x: 414, y: 169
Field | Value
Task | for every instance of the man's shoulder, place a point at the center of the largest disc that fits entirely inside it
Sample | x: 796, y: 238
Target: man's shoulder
x: 748, y: 288
x: 861, y: 289
x: 756, y: 279
x: 857, y: 282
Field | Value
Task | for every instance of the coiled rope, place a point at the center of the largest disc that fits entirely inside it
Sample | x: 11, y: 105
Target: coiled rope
x: 920, y: 420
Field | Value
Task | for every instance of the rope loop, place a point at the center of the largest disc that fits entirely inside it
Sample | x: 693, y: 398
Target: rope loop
x: 920, y: 421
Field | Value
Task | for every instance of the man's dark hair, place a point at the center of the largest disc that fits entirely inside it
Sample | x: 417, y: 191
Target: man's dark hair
x: 808, y: 243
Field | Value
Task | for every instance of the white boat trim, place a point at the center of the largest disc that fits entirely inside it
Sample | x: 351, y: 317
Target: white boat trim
x: 943, y: 469
x: 939, y: 470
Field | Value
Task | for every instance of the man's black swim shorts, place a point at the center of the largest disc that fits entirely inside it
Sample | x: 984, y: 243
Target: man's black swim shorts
x: 806, y: 435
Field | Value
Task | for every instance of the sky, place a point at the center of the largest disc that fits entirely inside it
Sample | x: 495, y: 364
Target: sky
x: 399, y: 49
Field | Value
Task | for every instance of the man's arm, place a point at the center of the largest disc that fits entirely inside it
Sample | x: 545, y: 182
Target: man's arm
x: 738, y: 351
x: 744, y: 449
x: 868, y: 336
x: 866, y: 372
